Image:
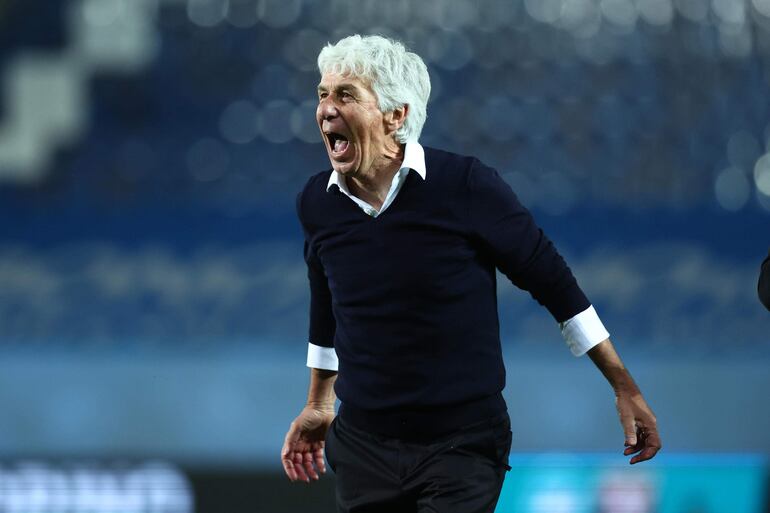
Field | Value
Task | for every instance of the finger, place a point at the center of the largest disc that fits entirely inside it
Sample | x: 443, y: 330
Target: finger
x: 299, y: 468
x: 288, y: 467
x: 320, y: 463
x: 641, y: 436
x: 632, y: 450
x: 647, y: 454
x: 286, y: 460
x: 308, y: 462
x: 629, y: 429
x: 652, y: 446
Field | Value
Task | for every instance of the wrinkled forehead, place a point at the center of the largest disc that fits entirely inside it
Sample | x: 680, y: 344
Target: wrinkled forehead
x: 333, y: 80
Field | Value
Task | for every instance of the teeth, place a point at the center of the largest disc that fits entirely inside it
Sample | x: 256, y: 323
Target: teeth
x: 340, y: 145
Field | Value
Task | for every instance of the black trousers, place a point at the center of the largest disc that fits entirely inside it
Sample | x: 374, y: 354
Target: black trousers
x: 459, y: 473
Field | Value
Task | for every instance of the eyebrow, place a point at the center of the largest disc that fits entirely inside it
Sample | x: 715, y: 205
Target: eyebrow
x: 344, y: 85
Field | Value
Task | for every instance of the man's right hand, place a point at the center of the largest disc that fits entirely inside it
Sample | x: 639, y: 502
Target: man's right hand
x: 303, y: 448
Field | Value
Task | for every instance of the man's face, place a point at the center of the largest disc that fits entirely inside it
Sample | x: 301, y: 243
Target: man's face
x: 351, y: 124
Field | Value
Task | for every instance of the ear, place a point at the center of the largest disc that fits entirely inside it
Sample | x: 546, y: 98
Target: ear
x: 395, y: 118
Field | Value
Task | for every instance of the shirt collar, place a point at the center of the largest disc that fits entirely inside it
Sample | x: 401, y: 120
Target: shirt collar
x: 414, y: 158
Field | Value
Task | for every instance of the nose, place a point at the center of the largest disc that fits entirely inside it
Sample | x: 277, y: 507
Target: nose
x: 326, y: 109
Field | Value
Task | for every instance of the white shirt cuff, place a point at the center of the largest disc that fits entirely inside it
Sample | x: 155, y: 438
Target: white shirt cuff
x: 583, y: 331
x: 319, y: 357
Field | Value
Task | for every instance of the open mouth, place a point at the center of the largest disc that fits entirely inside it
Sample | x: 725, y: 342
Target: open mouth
x: 338, y: 144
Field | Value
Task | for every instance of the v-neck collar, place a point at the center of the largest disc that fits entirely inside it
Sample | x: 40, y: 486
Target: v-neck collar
x: 414, y: 160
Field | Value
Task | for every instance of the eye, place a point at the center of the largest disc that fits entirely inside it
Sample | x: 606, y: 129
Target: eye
x: 323, y: 95
x: 346, y: 95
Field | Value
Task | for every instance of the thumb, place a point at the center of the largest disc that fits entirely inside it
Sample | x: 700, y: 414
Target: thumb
x: 629, y: 427
x: 291, y: 437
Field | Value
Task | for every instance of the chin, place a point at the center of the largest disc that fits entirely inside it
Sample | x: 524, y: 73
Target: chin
x: 344, y: 168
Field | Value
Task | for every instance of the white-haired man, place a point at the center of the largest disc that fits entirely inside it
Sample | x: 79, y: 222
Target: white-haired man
x: 402, y: 245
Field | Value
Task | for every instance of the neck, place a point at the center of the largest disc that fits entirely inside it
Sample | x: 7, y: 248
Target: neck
x: 373, y: 185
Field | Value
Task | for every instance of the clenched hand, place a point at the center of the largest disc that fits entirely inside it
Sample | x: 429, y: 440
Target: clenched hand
x: 639, y: 426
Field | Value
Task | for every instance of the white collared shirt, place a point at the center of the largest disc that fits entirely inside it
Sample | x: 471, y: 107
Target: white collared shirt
x: 581, y: 332
x: 414, y: 159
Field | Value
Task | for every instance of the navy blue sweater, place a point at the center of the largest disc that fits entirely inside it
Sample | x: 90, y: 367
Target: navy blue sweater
x: 408, y: 299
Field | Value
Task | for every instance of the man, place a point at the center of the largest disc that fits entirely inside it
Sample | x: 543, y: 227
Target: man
x: 763, y: 286
x: 402, y: 243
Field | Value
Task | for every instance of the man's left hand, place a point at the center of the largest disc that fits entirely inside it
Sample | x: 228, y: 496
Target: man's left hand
x: 637, y: 419
x: 639, y: 426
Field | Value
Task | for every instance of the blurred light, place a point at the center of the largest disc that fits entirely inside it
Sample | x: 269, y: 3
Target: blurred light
x: 207, y: 159
x: 546, y: 45
x: 275, y: 122
x: 426, y: 13
x: 743, y: 150
x: 303, y: 122
x: 102, y: 12
x: 656, y: 12
x: 31, y: 487
x: 206, y: 13
x: 622, y: 493
x: 394, y: 13
x: 450, y: 50
x: 125, y: 42
x: 762, y: 174
x: 242, y: 13
x: 700, y: 41
x: 599, y: 50
x: 279, y: 13
x: 494, y: 14
x: 456, y: 15
x: 620, y: 13
x: 763, y: 200
x: 734, y: 43
x: 45, y: 98
x: 60, y: 500
x: 580, y: 17
x: 732, y: 189
x: 545, y: 11
x: 303, y: 47
x: 554, y: 501
x: 694, y: 10
x: 339, y: 13
x: 762, y: 7
x: 730, y: 11
x: 238, y: 122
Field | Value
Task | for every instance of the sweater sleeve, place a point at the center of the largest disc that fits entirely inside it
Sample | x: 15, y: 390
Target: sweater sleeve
x: 763, y: 287
x: 518, y: 247
x: 322, y: 324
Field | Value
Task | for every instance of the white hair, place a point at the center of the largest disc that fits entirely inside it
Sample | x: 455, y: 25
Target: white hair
x: 398, y: 77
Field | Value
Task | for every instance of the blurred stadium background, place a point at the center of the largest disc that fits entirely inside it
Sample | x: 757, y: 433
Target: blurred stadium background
x: 152, y: 289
